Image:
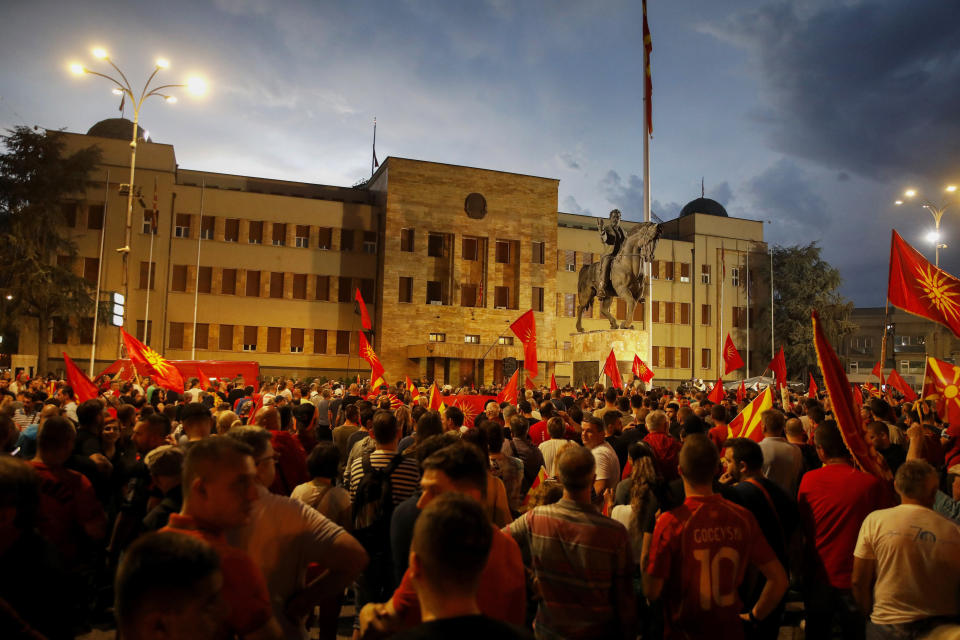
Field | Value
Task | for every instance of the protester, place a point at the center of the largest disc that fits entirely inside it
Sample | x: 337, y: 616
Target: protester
x: 322, y: 492
x: 782, y: 462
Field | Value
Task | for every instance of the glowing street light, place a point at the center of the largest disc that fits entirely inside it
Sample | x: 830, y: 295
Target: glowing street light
x: 937, y: 213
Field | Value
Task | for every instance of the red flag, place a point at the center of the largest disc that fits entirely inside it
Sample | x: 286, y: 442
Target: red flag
x: 553, y: 383
x: 540, y: 479
x: 748, y: 423
x: 204, y: 380
x: 525, y: 328
x: 647, y: 80
x: 731, y: 357
x: 82, y: 386
x: 257, y: 405
x: 857, y: 396
x: 472, y: 407
x: 414, y: 392
x: 920, y: 288
x: 613, y: 371
x: 376, y: 369
x: 779, y: 367
x: 641, y: 370
x: 509, y: 393
x: 741, y: 393
x: 844, y: 411
x: 896, y: 381
x: 436, y: 402
x: 717, y: 394
x: 872, y: 390
x: 362, y: 308
x: 941, y: 383
x: 878, y: 371
x: 159, y: 368
x: 528, y: 383
x: 812, y: 392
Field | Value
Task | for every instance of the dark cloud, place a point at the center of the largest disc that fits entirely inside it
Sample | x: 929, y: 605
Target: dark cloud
x: 722, y: 193
x: 665, y: 211
x: 570, y: 205
x: 569, y: 160
x: 870, y: 88
x: 785, y: 195
x: 843, y: 176
x: 626, y: 196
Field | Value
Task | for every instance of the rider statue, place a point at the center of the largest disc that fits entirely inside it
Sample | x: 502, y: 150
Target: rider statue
x: 613, y: 235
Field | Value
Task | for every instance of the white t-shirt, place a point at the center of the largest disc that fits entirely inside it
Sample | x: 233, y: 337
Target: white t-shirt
x: 549, y: 450
x: 608, y: 466
x: 331, y: 502
x: 917, y: 552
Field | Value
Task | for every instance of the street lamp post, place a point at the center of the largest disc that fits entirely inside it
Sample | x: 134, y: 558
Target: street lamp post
x: 125, y: 89
x: 937, y: 213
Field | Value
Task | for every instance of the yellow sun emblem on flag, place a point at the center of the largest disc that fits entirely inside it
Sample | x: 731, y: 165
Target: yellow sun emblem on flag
x: 156, y: 360
x: 369, y: 354
x: 731, y: 352
x: 530, y: 336
x: 940, y: 290
x: 469, y: 413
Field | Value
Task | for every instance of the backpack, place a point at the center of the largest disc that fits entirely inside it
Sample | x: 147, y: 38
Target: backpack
x: 373, y: 503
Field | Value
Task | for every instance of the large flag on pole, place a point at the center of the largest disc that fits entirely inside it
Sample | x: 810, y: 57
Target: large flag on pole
x: 941, y: 383
x: 731, y: 357
x: 747, y: 424
x: 844, y: 411
x: 161, y: 371
x: 525, y: 328
x: 613, y: 371
x: 82, y: 386
x: 896, y: 381
x: 779, y: 367
x: 647, y: 78
x: 641, y: 370
x: 376, y: 369
x: 920, y: 288
x: 365, y: 321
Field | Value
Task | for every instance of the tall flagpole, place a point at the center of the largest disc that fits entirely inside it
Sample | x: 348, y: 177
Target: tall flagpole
x: 196, y: 283
x: 153, y: 235
x: 773, y: 352
x: 373, y: 160
x: 647, y: 132
x: 723, y: 277
x: 748, y: 313
x: 96, y: 298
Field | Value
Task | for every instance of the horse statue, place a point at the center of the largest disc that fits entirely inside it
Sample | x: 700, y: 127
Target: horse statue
x: 626, y: 275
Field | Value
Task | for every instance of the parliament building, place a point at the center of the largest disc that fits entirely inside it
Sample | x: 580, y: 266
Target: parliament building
x: 445, y: 256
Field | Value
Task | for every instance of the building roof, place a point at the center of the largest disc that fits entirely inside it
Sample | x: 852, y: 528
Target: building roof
x: 118, y: 128
x: 704, y: 205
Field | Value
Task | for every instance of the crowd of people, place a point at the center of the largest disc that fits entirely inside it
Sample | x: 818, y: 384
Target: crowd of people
x: 597, y: 512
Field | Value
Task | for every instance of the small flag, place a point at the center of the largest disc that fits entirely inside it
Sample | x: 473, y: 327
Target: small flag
x: 878, y: 371
x: 896, y: 381
x: 872, y: 390
x: 779, y: 367
x: 741, y: 393
x: 553, y: 383
x: 731, y: 357
x: 376, y: 369
x: 641, y: 370
x: 509, y: 393
x: 525, y: 328
x: 857, y: 396
x: 941, y: 381
x: 82, y: 386
x: 540, y: 479
x: 747, y: 424
x: 812, y: 392
x: 414, y: 392
x: 613, y: 371
x: 361, y: 308
x: 717, y: 394
x: 158, y: 367
x: 436, y: 400
x: 528, y: 384
x: 920, y: 288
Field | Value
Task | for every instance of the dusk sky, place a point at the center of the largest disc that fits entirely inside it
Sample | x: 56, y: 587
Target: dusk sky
x: 813, y: 115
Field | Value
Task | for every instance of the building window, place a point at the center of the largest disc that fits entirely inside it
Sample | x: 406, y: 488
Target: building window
x: 501, y: 299
x: 854, y: 367
x: 638, y: 313
x: 654, y: 311
x: 69, y: 212
x: 537, y: 299
x: 300, y: 286
x: 669, y: 357
x: 471, y: 338
x: 736, y: 316
x: 182, y: 227
x: 147, y: 339
x: 207, y: 225
x: 324, y: 238
x: 346, y: 239
x: 179, y: 278
x: 704, y: 274
x: 343, y: 343
x: 228, y: 282
x: 666, y: 270
x: 569, y: 305
x: 59, y: 330
x: 231, y: 230
x: 323, y: 288
x: 469, y: 246
x: 279, y: 234
x: 684, y: 357
x: 250, y: 338
x: 366, y: 286
x: 296, y: 340
x: 505, y: 340
x: 302, y: 238
x: 370, y: 242
x: 253, y: 284
x: 226, y: 337
x: 705, y: 315
x: 406, y: 239
x: 255, y: 232
x: 176, y: 335
x: 668, y: 313
x: 735, y: 276
x: 684, y: 312
x: 201, y: 336
x: 435, y: 245
x: 684, y: 272
x: 276, y: 284
x: 319, y: 340
x: 95, y: 217
x: 570, y: 260
x: 537, y: 253
x: 148, y: 222
x: 503, y: 251
x: 406, y: 289
x: 205, y: 279
x: 438, y: 337
x: 434, y: 292
x: 273, y: 339
x: 85, y: 330
x: 344, y: 290
x: 148, y: 275
x: 704, y: 358
x: 468, y: 295
x: 91, y: 270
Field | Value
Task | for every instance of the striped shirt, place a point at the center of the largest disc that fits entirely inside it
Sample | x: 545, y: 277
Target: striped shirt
x: 582, y: 562
x: 406, y: 477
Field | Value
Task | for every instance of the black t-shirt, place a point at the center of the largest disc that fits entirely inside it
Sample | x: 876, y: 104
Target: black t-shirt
x: 895, y: 456
x: 465, y: 628
x: 777, y: 526
x: 404, y: 517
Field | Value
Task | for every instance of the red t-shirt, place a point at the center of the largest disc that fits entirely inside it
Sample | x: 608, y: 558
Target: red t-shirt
x: 67, y: 503
x: 833, y: 502
x: 701, y: 550
x: 502, y: 593
x: 538, y: 432
x: 667, y: 451
x: 718, y: 435
x: 951, y: 454
x: 291, y: 465
x: 244, y: 589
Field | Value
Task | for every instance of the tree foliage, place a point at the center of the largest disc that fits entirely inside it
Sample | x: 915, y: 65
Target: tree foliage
x: 803, y: 281
x: 35, y: 180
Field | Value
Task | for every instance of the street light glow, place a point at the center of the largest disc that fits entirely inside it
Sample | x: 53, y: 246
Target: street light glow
x: 933, y: 237
x: 76, y: 69
x: 99, y: 53
x: 898, y: 202
x: 951, y: 188
x: 117, y: 92
x: 171, y: 99
x: 910, y: 193
x: 163, y: 63
x: 197, y: 86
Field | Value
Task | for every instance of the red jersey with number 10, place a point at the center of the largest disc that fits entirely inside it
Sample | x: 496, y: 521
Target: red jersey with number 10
x: 701, y: 551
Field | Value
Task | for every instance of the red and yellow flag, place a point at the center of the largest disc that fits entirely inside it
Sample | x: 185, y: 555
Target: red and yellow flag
x: 812, y: 389
x: 641, y: 370
x: 613, y: 371
x: 509, y: 393
x: 896, y: 381
x: 872, y: 390
x: 747, y: 424
x: 472, y: 407
x: 844, y: 411
x: 436, y: 400
x: 542, y: 477
x: 941, y: 383
x: 159, y: 368
x: 731, y: 357
x: 365, y: 321
x: 525, y: 328
x: 376, y: 369
x: 920, y: 288
x: 82, y: 386
x: 412, y: 388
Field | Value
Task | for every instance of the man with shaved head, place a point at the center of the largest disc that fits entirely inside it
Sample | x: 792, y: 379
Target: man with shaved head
x: 291, y: 457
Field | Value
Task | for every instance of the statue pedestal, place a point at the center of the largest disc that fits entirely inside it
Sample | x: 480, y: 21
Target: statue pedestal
x: 591, y: 349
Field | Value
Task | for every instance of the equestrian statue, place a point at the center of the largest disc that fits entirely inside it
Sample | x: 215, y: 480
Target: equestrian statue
x: 620, y: 272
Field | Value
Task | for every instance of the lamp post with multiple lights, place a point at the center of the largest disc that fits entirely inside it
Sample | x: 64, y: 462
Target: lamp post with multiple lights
x: 124, y: 88
x: 937, y: 213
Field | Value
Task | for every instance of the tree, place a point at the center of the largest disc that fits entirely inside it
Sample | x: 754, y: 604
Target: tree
x: 35, y: 180
x: 804, y: 281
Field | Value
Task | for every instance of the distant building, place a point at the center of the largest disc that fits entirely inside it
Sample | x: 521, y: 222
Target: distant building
x: 445, y: 256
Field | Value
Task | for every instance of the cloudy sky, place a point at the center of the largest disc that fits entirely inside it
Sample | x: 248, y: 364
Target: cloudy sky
x: 813, y: 115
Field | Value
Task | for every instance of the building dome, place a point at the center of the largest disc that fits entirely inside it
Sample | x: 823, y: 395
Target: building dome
x: 706, y: 206
x: 117, y: 128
